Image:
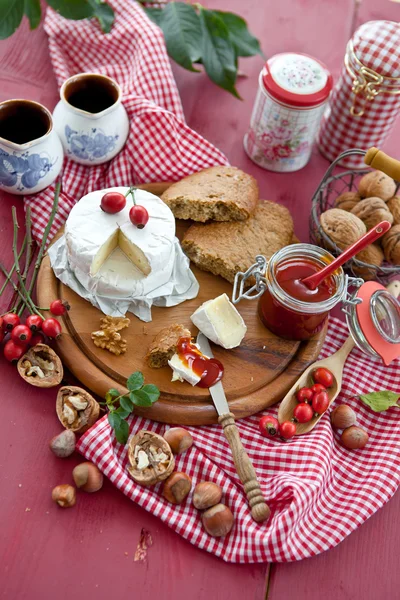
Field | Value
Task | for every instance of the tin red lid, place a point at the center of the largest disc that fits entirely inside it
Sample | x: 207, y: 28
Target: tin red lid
x: 297, y: 79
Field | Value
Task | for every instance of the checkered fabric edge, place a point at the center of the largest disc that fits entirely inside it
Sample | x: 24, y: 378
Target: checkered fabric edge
x: 318, y: 491
x: 160, y: 146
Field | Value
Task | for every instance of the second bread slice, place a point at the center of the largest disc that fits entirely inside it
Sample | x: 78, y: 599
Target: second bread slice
x: 217, y: 193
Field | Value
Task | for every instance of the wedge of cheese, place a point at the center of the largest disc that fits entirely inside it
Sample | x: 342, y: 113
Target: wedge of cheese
x: 219, y: 320
x: 181, y: 371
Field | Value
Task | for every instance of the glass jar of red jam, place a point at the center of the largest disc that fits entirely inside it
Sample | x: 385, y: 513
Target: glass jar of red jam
x: 286, y: 306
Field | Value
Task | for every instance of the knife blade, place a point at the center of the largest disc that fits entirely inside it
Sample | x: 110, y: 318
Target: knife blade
x: 216, y: 390
x: 244, y: 467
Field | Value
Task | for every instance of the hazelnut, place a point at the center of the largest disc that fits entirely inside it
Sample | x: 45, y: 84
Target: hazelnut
x: 354, y: 438
x: 177, y: 487
x: 372, y: 255
x: 179, y: 439
x: 206, y: 494
x: 391, y: 245
x: 347, y: 200
x: 217, y: 520
x: 342, y: 227
x: 64, y: 495
x: 377, y: 183
x: 63, y: 444
x: 343, y: 416
x: 394, y: 206
x: 87, y: 477
x: 372, y: 211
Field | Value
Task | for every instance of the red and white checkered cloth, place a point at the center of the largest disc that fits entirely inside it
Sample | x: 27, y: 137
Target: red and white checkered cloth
x: 318, y: 491
x: 377, y: 46
x: 160, y: 146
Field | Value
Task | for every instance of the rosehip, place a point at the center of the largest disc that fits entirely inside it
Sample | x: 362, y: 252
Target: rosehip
x: 34, y: 322
x: 320, y: 402
x: 2, y: 334
x: 21, y: 334
x: 304, y: 394
x: 13, y: 351
x: 51, y: 328
x: 10, y: 320
x: 303, y: 413
x: 269, y: 426
x: 58, y: 307
x: 138, y: 216
x: 37, y: 338
x: 113, y: 202
x: 317, y: 387
x: 287, y: 430
x: 323, y: 376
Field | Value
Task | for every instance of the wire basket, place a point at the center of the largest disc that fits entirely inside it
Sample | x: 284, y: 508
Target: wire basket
x: 329, y: 189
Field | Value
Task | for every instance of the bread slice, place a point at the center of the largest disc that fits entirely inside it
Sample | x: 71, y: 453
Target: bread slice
x: 217, y: 193
x: 226, y: 248
x: 164, y: 345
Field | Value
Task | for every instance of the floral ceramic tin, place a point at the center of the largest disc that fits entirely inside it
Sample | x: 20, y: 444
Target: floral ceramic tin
x: 293, y: 91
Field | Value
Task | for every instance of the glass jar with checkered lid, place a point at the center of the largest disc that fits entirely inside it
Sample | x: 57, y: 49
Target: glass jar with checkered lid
x: 366, y: 100
x: 292, y: 94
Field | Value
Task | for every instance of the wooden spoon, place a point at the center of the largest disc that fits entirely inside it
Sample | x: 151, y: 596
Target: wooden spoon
x: 335, y: 364
x: 313, y: 281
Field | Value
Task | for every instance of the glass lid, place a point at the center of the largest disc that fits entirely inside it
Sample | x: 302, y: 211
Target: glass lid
x: 385, y: 314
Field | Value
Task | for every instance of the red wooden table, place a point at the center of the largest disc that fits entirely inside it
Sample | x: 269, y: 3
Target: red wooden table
x: 49, y: 553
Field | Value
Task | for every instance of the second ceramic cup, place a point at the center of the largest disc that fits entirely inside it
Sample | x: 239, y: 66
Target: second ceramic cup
x: 90, y: 118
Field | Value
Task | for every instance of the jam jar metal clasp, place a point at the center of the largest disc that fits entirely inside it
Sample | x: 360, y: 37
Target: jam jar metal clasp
x: 257, y: 270
x: 350, y: 299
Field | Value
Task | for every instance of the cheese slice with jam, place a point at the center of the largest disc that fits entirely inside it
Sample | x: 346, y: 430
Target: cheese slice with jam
x: 220, y: 321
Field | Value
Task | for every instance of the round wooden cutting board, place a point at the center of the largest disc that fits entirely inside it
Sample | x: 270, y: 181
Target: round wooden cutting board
x: 257, y: 374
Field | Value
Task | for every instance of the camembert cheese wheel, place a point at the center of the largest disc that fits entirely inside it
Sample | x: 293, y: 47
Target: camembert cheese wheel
x: 110, y: 256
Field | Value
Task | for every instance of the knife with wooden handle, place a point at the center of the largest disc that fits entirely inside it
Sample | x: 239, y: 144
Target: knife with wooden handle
x: 245, y: 470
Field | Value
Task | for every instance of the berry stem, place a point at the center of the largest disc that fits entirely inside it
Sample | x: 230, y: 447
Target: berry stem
x: 131, y: 191
x: 15, y: 288
x: 11, y: 271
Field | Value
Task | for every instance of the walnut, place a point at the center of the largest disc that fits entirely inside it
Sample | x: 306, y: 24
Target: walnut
x: 150, y: 457
x: 76, y: 409
x: 377, y: 183
x: 108, y: 336
x: 347, y: 200
x: 372, y: 255
x: 342, y: 227
x: 394, y: 206
x: 391, y: 245
x: 372, y: 211
x: 40, y: 366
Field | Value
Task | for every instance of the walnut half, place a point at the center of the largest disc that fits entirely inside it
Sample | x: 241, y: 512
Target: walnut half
x: 76, y: 409
x: 40, y: 366
x: 150, y: 457
x: 108, y: 336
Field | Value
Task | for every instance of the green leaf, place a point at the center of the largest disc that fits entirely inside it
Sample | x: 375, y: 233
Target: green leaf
x: 11, y: 13
x: 72, y: 9
x: 114, y: 419
x: 140, y: 398
x: 155, y: 14
x: 126, y: 404
x: 218, y: 53
x: 135, y: 381
x: 103, y: 13
x: 181, y: 26
x: 33, y: 12
x: 152, y: 391
x: 380, y: 401
x: 243, y: 41
x: 113, y: 393
x: 122, y: 412
x: 122, y: 432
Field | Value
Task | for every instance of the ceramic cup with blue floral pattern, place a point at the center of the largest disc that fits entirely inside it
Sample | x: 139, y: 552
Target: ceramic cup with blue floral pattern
x: 31, y: 153
x: 90, y: 118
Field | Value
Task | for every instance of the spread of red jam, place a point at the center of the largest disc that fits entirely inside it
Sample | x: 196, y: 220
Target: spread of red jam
x: 281, y: 319
x: 209, y: 369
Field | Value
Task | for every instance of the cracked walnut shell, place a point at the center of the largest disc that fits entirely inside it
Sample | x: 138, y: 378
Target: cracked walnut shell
x: 108, y: 336
x: 372, y: 211
x: 394, y: 206
x: 76, y: 409
x: 391, y: 245
x: 377, y: 183
x: 342, y: 227
x: 150, y: 457
x: 347, y: 200
x: 40, y: 366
